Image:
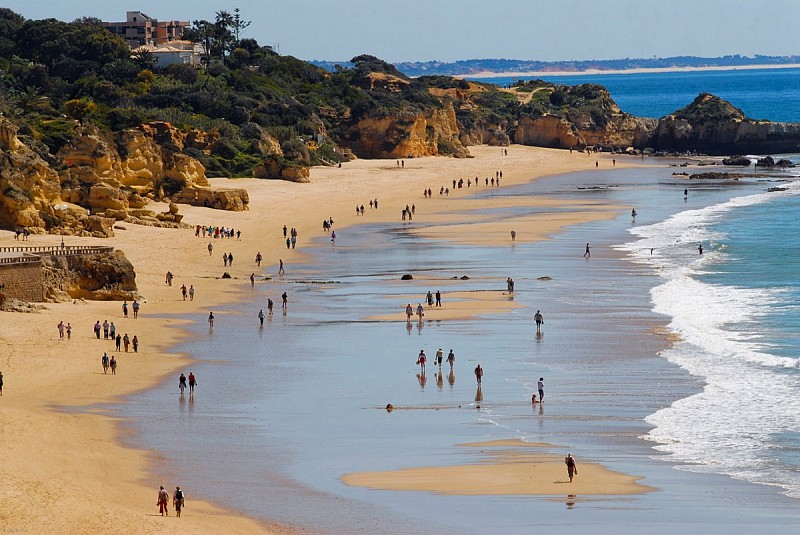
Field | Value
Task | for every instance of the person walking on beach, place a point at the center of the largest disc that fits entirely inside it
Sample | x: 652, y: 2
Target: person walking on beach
x: 451, y: 359
x: 105, y: 329
x: 104, y: 362
x: 192, y: 383
x: 540, y: 386
x: 478, y: 374
x: 421, y: 360
x: 700, y: 249
x: 124, y: 309
x: 61, y: 328
x: 285, y: 298
x: 685, y: 193
x: 126, y: 341
x: 572, y: 469
x: 68, y: 328
x: 281, y: 271
x: 112, y: 331
x: 163, y: 501
x: 135, y: 343
x: 113, y: 365
x: 177, y: 501
x: 1, y: 383
x: 439, y: 358
x: 118, y: 342
x: 438, y: 298
x: 539, y: 319
x: 269, y: 306
x: 429, y: 298
x: 258, y: 259
x: 261, y: 316
x: 252, y: 280
x: 135, y: 308
x: 588, y: 252
x: 409, y: 312
x: 97, y: 329
x: 182, y: 383
x: 210, y: 248
x: 184, y: 291
x: 211, y: 320
x: 420, y: 312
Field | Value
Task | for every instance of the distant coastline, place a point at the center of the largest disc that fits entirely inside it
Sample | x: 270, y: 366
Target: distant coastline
x: 497, y: 68
x: 641, y: 70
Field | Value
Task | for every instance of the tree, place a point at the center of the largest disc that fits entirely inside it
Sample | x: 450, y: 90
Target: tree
x: 239, y: 24
x: 79, y: 108
x: 143, y: 58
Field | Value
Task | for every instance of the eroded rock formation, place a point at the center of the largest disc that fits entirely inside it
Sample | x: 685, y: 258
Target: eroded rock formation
x: 713, y: 126
x: 429, y: 132
x: 100, y: 277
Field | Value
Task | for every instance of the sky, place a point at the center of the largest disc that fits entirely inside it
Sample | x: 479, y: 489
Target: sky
x: 451, y: 30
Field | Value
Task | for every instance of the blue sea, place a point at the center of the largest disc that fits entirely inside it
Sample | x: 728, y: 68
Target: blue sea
x: 734, y: 310
x: 770, y: 94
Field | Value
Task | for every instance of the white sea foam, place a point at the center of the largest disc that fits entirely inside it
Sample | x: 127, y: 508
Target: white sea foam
x: 751, y: 398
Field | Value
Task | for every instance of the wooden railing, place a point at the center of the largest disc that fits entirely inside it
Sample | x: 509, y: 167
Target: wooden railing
x: 25, y: 259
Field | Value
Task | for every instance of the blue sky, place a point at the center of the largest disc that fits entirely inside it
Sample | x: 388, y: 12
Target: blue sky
x: 448, y: 30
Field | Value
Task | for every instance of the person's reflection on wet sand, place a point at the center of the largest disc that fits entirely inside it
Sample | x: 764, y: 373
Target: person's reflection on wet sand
x: 451, y: 378
x: 571, y: 501
x: 422, y: 378
x: 409, y: 328
x: 479, y: 394
x: 440, y: 380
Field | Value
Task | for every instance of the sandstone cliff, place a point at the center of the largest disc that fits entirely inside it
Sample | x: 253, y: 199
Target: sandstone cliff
x: 98, y: 178
x: 430, y: 132
x: 100, y: 277
x: 579, y: 117
x: 713, y: 126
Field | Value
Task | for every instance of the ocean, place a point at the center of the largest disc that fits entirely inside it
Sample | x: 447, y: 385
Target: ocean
x: 735, y: 311
x: 658, y: 361
x: 770, y: 94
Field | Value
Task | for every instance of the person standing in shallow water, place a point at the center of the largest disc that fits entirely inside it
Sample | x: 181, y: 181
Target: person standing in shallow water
x: 478, y: 374
x: 539, y: 319
x: 588, y: 253
x: 540, y: 387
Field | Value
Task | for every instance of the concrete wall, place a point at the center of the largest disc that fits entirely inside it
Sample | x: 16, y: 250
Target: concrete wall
x: 22, y: 281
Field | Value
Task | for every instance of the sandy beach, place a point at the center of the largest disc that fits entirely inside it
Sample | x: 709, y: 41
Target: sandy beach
x: 64, y: 467
x: 592, y: 72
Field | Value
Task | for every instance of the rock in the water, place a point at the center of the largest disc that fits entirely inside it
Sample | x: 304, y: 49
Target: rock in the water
x: 741, y: 161
x: 407, y: 277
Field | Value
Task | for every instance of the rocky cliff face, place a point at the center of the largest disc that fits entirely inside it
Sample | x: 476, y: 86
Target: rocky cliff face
x: 97, y: 179
x: 713, y: 126
x: 99, y: 277
x: 430, y: 132
x: 616, y: 131
x: 29, y: 187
